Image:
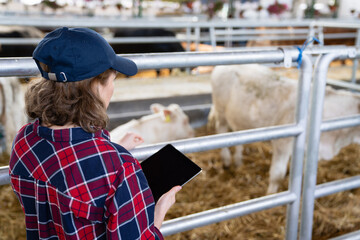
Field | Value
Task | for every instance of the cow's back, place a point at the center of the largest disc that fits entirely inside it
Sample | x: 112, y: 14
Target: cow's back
x: 250, y: 96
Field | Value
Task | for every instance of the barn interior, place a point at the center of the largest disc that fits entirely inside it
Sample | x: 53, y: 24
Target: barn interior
x: 218, y: 185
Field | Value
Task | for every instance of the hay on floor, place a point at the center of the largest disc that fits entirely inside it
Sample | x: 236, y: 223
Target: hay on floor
x: 217, y: 186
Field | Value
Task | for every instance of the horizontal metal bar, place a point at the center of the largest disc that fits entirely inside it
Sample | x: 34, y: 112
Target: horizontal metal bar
x: 128, y: 40
x: 314, y: 50
x: 27, y: 67
x: 139, y: 40
x: 338, y: 123
x: 20, y: 41
x: 346, y: 51
x: 224, y: 35
x: 210, y: 142
x: 4, y: 175
x: 337, y: 24
x: 281, y: 37
x: 151, y: 61
x: 343, y: 84
x: 260, y: 38
x: 260, y: 31
x: 227, y: 212
x: 22, y: 66
x: 332, y: 187
x: 339, y: 35
x: 349, y: 236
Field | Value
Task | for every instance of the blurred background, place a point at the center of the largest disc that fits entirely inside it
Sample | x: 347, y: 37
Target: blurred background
x: 201, y: 9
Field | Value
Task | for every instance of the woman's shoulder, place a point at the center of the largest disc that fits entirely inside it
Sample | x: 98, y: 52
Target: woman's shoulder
x: 24, y: 131
x: 112, y: 150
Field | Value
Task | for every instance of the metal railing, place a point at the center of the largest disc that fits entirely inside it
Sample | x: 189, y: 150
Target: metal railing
x: 291, y: 198
x: 231, y: 30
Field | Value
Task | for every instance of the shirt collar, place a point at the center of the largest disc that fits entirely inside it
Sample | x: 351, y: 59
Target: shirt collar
x: 67, y: 134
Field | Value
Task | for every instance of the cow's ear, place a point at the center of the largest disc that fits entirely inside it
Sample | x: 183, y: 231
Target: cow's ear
x: 166, y: 115
x: 156, y: 107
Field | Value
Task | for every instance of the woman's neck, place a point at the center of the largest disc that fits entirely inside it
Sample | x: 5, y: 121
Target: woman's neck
x: 56, y: 127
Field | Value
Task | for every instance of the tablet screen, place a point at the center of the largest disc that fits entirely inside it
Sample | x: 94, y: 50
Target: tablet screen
x: 168, y: 168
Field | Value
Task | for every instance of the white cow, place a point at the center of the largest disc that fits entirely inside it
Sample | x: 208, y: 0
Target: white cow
x: 253, y: 96
x: 12, y: 111
x: 165, y: 124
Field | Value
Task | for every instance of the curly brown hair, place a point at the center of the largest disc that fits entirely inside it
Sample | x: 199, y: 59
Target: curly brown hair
x: 61, y: 103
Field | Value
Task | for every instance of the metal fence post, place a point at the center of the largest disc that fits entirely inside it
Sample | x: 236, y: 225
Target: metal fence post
x: 311, y: 161
x: 355, y: 61
x: 298, y: 148
x: 213, y: 37
x: 188, y: 39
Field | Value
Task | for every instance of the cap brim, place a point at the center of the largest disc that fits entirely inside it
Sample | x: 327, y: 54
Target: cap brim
x: 125, y: 66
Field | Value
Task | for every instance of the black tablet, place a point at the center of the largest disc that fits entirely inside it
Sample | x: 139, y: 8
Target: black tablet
x: 168, y: 168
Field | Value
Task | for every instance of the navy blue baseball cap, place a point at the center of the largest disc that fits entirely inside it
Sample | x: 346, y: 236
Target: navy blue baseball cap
x: 75, y: 54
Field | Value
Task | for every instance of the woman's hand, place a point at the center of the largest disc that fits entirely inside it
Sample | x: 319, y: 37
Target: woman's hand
x: 130, y: 140
x: 163, y: 205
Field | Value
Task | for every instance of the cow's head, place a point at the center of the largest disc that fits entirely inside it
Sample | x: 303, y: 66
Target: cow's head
x: 175, y: 118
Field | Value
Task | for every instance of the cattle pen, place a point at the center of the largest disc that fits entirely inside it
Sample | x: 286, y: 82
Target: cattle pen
x: 291, y: 198
x: 299, y: 185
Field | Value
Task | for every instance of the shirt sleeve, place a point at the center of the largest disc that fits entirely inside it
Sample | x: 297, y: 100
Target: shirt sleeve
x: 131, y: 209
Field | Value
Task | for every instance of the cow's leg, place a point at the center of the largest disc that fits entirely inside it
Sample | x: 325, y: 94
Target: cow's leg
x: 221, y: 127
x: 225, y: 152
x: 238, y: 155
x: 280, y: 158
x: 327, y: 146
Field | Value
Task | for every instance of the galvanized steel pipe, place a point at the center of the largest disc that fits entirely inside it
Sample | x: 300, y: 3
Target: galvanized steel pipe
x: 344, y: 84
x: 4, y: 175
x: 27, y: 66
x: 224, y: 213
x: 355, y: 61
x: 311, y: 163
x: 210, y: 142
x: 21, y: 67
x: 349, y: 236
x: 332, y: 187
x: 296, y: 166
x: 338, y: 123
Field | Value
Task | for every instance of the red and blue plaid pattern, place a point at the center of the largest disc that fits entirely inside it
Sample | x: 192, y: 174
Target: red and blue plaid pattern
x: 77, y: 185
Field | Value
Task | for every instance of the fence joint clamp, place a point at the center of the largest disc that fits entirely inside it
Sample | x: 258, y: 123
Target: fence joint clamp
x: 287, y: 57
x: 352, y: 52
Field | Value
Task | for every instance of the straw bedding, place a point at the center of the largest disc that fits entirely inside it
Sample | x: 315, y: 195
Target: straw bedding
x: 217, y: 186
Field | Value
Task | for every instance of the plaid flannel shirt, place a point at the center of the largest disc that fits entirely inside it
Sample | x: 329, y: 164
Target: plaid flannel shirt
x: 77, y: 185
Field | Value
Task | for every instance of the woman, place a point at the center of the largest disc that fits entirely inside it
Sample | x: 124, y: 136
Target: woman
x: 71, y: 180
